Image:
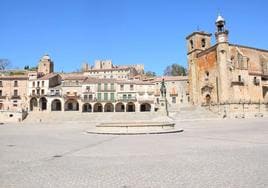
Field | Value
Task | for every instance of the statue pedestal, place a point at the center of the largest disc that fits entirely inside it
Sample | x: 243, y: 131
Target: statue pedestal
x: 162, y: 107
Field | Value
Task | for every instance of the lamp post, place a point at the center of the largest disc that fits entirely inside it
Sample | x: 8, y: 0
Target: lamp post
x: 163, y: 91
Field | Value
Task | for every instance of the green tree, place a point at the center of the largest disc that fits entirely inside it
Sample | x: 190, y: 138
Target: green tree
x: 175, y: 70
x: 150, y: 74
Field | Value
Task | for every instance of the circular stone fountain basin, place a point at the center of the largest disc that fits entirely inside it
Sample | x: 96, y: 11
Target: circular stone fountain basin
x: 128, y: 128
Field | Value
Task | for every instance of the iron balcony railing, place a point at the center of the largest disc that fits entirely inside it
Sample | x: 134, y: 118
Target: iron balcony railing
x: 127, y: 99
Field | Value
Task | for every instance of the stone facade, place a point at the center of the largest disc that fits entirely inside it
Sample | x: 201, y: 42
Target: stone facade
x: 44, y: 90
x: 106, y: 69
x: 13, y: 92
x: 226, y: 77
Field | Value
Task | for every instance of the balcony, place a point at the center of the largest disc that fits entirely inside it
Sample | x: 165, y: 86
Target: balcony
x: 88, y: 100
x: 53, y: 95
x: 238, y: 82
x: 71, y: 96
x: 173, y: 94
x: 127, y: 99
x: 15, y: 97
x: 106, y: 90
x: 3, y: 97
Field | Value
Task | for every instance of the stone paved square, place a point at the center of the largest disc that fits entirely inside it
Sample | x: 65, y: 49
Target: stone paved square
x: 223, y: 153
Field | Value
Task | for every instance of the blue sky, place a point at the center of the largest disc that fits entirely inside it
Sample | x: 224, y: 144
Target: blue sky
x: 148, y: 32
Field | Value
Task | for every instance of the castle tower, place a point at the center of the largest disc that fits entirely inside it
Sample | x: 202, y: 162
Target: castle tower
x: 222, y: 59
x: 45, y: 65
x: 196, y: 43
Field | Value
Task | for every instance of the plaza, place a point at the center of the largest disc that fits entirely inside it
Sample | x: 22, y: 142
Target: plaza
x: 208, y: 153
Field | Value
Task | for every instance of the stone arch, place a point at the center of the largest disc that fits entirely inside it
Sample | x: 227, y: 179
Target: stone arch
x: 120, y: 107
x: 145, y: 107
x: 208, y: 99
x: 130, y: 107
x: 56, y: 105
x: 71, y: 105
x: 108, y: 107
x: 98, y: 107
x: 43, y: 103
x: 87, y: 107
x: 33, y: 104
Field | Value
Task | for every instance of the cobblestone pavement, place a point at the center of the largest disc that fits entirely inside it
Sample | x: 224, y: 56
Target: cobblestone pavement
x: 226, y: 153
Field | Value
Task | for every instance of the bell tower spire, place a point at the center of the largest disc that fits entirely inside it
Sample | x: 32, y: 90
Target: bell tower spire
x: 221, y: 31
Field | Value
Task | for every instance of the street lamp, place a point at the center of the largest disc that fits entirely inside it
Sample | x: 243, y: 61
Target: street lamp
x: 163, y: 91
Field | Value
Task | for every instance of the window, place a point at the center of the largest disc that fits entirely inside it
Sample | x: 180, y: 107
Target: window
x: 1, y: 84
x: 129, y: 96
x: 90, y: 97
x: 105, y: 86
x: 121, y: 87
x: 16, y: 83
x: 99, y: 86
x: 203, y: 43
x: 206, y: 75
x: 42, y: 91
x: 112, y: 96
x: 131, y: 87
x: 38, y: 91
x: 239, y: 78
x: 87, y: 88
x: 43, y: 83
x: 38, y: 84
x: 105, y: 96
x: 1, y: 93
x: 33, y: 84
x: 192, y: 44
x: 33, y: 92
x: 15, y: 92
x: 173, y: 99
x: 124, y: 96
x: 99, y: 96
x: 85, y: 97
x: 112, y: 86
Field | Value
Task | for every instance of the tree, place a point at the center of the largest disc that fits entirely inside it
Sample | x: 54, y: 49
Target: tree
x: 4, y: 63
x: 175, y: 70
x: 150, y: 74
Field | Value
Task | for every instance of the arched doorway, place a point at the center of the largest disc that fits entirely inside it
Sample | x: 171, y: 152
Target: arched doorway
x: 145, y: 107
x: 43, y: 103
x: 56, y: 105
x: 208, y: 99
x: 1, y: 106
x: 71, y: 105
x: 119, y: 107
x: 87, y: 107
x: 33, y: 104
x: 109, y: 107
x: 98, y: 107
x: 130, y: 107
